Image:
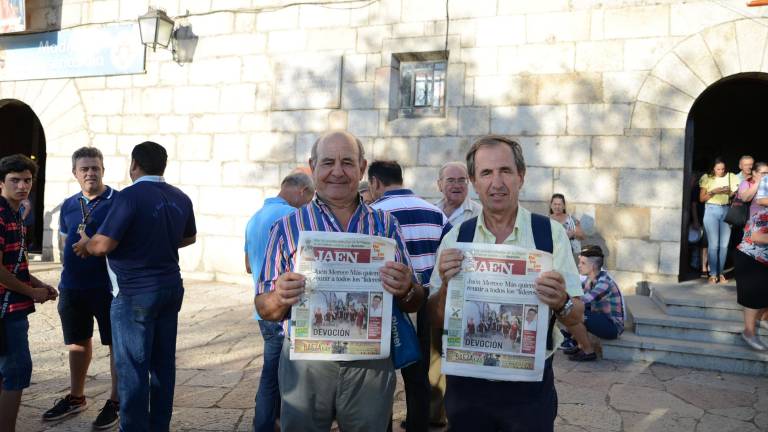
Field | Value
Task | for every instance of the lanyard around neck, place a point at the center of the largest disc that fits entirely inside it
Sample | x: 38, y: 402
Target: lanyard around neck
x: 85, y: 210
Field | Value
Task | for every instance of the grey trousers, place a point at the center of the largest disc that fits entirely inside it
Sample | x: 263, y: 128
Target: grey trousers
x: 357, y: 394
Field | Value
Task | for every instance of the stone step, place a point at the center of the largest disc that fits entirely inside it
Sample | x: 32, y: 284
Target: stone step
x: 702, y: 355
x: 698, y: 300
x: 650, y: 320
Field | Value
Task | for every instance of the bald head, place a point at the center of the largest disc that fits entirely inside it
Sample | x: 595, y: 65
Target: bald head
x: 297, y: 189
x: 452, y: 182
x: 455, y: 164
x: 338, y: 163
x: 336, y: 135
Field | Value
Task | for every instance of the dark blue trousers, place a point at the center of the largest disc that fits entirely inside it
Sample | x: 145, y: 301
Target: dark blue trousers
x: 478, y: 405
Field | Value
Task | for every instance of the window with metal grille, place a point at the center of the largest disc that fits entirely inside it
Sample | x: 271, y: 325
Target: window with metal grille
x: 421, y: 86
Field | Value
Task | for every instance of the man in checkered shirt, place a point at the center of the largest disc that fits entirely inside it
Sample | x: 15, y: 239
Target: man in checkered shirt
x: 603, y: 304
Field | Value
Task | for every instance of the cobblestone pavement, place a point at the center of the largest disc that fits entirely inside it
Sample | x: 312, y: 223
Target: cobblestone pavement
x: 219, y: 359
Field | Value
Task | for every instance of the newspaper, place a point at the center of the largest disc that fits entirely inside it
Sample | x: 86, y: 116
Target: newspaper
x: 495, y: 325
x: 344, y: 314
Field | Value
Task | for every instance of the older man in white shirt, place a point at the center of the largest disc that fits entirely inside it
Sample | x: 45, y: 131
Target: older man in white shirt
x: 453, y: 182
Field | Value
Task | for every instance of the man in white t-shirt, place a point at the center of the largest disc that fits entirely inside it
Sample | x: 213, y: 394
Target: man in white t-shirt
x: 453, y: 182
x: 530, y: 320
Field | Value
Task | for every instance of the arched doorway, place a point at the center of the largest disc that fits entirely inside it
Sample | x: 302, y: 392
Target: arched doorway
x: 23, y: 133
x: 727, y: 120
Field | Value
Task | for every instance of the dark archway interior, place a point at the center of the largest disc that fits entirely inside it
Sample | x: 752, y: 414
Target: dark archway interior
x: 23, y: 133
x: 728, y: 120
x: 731, y: 120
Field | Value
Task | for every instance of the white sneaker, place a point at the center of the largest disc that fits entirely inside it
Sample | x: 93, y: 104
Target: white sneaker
x: 754, y: 342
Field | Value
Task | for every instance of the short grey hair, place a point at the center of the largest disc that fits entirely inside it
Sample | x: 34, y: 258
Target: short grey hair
x: 87, y: 152
x: 321, y: 138
x: 298, y: 180
x: 494, y: 140
x: 450, y: 164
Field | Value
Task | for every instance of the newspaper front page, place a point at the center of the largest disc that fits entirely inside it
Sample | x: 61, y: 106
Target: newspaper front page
x: 495, y: 325
x: 344, y: 314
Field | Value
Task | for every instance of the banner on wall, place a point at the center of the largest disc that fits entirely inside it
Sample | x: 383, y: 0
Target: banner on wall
x: 80, y: 52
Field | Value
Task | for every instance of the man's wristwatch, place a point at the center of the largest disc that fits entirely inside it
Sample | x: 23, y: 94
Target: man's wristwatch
x: 566, y: 308
x: 409, y: 294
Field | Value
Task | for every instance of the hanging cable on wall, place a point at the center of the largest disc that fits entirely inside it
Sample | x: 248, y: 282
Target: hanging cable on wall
x: 338, y: 5
x: 447, y: 25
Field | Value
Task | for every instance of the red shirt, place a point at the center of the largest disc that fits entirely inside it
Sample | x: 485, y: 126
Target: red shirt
x: 12, y: 234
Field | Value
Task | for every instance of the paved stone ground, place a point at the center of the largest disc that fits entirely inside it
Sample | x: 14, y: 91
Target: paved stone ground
x: 219, y: 359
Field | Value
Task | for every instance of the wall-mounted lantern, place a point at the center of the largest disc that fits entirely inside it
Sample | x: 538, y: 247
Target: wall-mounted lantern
x: 156, y: 28
x: 184, y: 44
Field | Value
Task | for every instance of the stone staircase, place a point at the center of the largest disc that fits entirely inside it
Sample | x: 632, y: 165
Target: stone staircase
x: 689, y: 324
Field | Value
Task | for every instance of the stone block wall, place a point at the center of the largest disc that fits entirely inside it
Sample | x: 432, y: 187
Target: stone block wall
x: 596, y: 92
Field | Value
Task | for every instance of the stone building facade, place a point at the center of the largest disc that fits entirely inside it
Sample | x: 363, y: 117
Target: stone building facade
x: 597, y: 92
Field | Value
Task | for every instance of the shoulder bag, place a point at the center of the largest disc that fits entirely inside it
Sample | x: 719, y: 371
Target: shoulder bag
x: 738, y: 212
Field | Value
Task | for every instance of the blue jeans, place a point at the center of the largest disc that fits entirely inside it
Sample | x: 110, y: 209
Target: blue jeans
x: 601, y: 325
x: 144, y: 345
x: 268, y: 395
x: 718, y: 236
x: 16, y: 362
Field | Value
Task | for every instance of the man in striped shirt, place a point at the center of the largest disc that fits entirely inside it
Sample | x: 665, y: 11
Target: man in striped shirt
x: 423, y: 226
x: 358, y: 394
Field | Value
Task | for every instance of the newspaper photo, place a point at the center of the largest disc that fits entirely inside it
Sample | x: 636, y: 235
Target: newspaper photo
x: 344, y: 314
x: 495, y: 325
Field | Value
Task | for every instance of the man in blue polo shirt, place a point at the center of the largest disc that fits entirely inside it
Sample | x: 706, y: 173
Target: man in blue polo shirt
x: 84, y: 289
x: 148, y: 222
x: 296, y: 190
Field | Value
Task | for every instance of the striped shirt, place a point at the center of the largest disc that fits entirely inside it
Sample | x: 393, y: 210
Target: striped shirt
x: 423, y: 226
x: 280, y: 255
x: 11, y: 237
x: 604, y: 296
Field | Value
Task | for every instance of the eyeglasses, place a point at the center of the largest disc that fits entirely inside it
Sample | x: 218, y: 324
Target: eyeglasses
x: 458, y: 181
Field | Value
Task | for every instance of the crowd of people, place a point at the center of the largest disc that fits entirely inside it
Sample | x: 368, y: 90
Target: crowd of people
x: 735, y: 221
x: 135, y: 295
x: 307, y: 391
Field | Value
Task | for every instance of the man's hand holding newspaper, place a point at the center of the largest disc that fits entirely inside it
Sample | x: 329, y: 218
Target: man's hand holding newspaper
x: 289, y: 288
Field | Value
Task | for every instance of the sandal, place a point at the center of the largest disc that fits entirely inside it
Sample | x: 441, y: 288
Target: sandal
x: 713, y: 279
x: 723, y: 279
